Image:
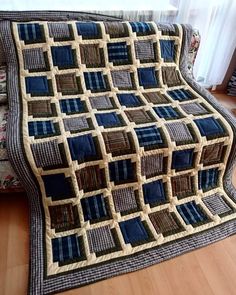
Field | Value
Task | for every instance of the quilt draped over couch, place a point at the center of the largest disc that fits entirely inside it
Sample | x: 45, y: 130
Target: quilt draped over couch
x: 126, y: 160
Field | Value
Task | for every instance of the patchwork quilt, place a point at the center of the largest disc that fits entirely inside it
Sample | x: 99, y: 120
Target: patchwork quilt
x: 125, y: 160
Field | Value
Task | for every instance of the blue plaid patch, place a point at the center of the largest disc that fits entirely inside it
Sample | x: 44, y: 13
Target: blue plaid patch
x: 182, y: 159
x: 128, y: 100
x: 87, y: 29
x: 167, y: 112
x: 66, y: 249
x: 39, y: 128
x: 208, y: 179
x: 117, y: 52
x: 121, y: 171
x: 209, y: 127
x: 180, y: 94
x: 108, y: 120
x: 147, y: 77
x: 94, y: 81
x: 37, y: 85
x: 133, y: 231
x: 73, y: 105
x: 140, y: 27
x: 167, y: 50
x: 57, y: 187
x: 62, y: 56
x: 191, y: 213
x: 154, y: 193
x: 82, y: 147
x: 94, y: 207
x: 30, y: 32
x: 148, y: 136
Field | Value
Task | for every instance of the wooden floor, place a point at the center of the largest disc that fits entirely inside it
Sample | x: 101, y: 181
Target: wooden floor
x: 210, y: 270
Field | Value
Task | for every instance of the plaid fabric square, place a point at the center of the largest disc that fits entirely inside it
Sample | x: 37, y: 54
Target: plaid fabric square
x: 212, y: 154
x: 118, y: 52
x: 72, y: 106
x: 167, y: 112
x: 37, y: 85
x: 41, y: 128
x: 139, y: 116
x: 122, y: 79
x: 67, y: 84
x: 122, y: 171
x: 152, y: 165
x: 154, y: 193
x: 88, y: 30
x: 216, y: 204
x: 209, y: 127
x: 94, y: 208
x: 91, y: 178
x: 133, y: 231
x: 100, y: 239
x: 46, y: 153
x: 179, y: 132
x: 118, y: 143
x: 147, y: 77
x: 30, y: 33
x: 155, y: 97
x: 66, y: 249
x: 116, y: 29
x: 101, y: 102
x: 95, y: 81
x: 34, y: 59
x: 164, y: 222
x: 182, y: 186
x: 40, y: 108
x: 62, y: 56
x: 58, y: 187
x: 108, y: 120
x: 171, y: 76
x: 144, y: 50
x: 208, y: 179
x: 59, y: 31
x: 64, y: 217
x: 82, y: 148
x: 76, y: 124
x: 180, y: 94
x: 148, y: 136
x: 141, y: 27
x: 129, y: 100
x: 124, y: 200
x: 182, y: 159
x: 91, y: 55
x: 191, y: 213
x: 167, y: 50
x: 194, y: 108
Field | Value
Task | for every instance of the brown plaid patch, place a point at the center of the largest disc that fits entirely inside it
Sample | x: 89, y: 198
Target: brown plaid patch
x: 39, y: 107
x: 171, y: 76
x: 90, y: 55
x: 118, y: 143
x: 139, y: 116
x: 64, y: 217
x: 164, y: 222
x: 212, y: 154
x: 155, y: 97
x: 67, y: 84
x: 116, y: 29
x: 91, y: 178
x: 152, y: 165
x: 182, y: 186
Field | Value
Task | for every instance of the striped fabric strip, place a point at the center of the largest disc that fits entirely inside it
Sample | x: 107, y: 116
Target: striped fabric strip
x: 73, y: 105
x: 180, y: 94
x: 124, y: 199
x: 139, y: 116
x: 216, y: 204
x: 94, y: 81
x: 29, y: 32
x: 140, y: 27
x: 167, y: 112
x: 117, y: 52
x: 144, y: 50
x: 148, y: 136
x: 179, y: 132
x: 59, y: 30
x: 33, y: 59
x: 190, y: 213
x: 121, y: 171
x: 208, y: 179
x: 100, y: 239
x: 117, y: 142
x: 38, y: 128
x: 93, y: 207
x: 46, y: 153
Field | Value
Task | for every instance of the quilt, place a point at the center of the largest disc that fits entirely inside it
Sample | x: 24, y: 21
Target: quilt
x: 126, y: 161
